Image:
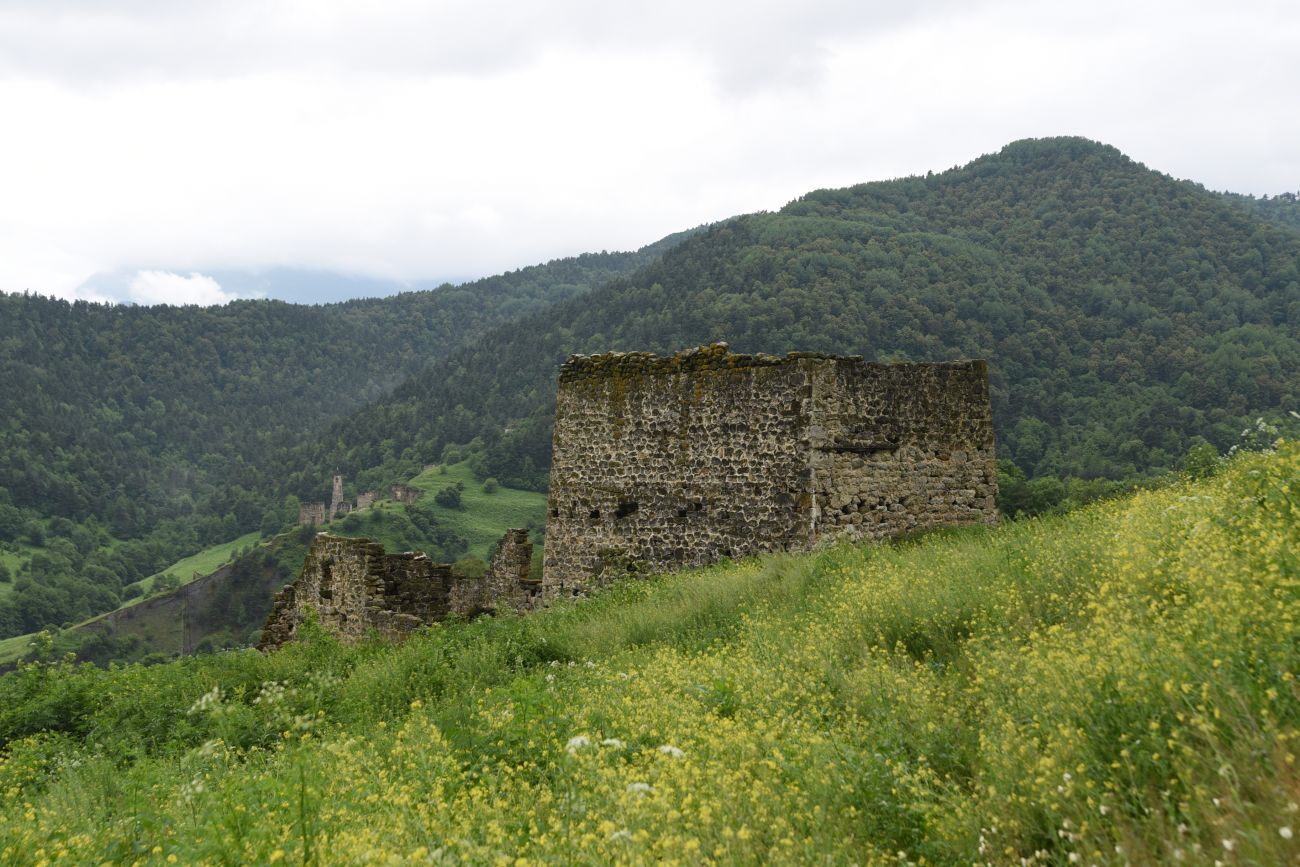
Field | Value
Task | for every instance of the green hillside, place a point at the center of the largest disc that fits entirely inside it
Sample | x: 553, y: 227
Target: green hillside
x: 1112, y: 686
x: 134, y: 436
x: 1124, y: 314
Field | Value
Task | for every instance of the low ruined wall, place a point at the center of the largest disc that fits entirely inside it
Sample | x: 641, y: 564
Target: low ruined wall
x: 354, y: 588
x: 666, y: 462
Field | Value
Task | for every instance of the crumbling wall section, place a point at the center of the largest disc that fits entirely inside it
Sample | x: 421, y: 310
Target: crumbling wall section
x: 507, y: 584
x: 354, y: 587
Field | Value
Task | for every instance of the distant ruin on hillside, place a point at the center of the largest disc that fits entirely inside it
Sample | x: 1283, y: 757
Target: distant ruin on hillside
x: 665, y: 462
x: 315, y: 514
x: 355, y: 589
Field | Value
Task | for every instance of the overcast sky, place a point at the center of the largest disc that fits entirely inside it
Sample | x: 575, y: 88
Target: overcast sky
x: 414, y: 140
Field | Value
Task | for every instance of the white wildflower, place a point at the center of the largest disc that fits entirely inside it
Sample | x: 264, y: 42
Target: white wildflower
x: 576, y: 743
x: 621, y: 834
x: 1228, y: 843
x: 1285, y: 832
x: 670, y: 750
x: 208, y: 700
x: 613, y: 742
x: 211, y: 748
x: 640, y: 788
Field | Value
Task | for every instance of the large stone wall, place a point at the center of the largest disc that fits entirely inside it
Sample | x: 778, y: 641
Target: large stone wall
x: 354, y: 588
x: 665, y: 462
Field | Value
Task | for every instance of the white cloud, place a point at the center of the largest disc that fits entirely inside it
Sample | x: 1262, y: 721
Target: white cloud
x: 164, y: 287
x: 412, y: 140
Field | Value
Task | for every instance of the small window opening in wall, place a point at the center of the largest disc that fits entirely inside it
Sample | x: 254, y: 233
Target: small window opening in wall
x: 555, y: 513
x: 595, y: 514
x: 625, y: 509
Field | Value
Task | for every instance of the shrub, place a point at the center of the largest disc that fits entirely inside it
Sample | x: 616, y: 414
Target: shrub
x: 449, y: 497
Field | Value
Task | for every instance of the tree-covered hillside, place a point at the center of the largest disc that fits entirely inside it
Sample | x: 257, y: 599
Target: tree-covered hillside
x: 133, y: 436
x: 1124, y: 314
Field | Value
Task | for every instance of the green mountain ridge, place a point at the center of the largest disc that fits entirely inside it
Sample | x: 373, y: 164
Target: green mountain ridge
x: 1125, y: 315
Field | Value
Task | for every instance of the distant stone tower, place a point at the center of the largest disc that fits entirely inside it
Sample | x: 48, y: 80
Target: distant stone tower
x: 336, y: 501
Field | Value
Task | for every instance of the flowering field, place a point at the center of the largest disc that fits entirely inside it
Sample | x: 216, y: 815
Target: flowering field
x: 1114, y: 686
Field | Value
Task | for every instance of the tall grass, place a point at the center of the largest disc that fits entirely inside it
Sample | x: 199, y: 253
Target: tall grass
x: 1112, y: 686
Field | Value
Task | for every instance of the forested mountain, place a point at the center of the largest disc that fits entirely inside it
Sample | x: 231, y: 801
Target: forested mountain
x: 133, y: 436
x: 1123, y: 314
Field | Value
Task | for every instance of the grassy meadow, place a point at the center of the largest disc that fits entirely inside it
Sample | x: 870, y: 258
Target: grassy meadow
x: 483, y: 517
x: 1114, y: 686
x: 203, y: 563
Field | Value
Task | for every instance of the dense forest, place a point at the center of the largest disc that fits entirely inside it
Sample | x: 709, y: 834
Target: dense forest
x: 1126, y: 316
x: 136, y: 435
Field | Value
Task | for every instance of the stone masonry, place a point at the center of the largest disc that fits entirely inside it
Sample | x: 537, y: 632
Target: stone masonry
x: 355, y: 588
x: 666, y: 462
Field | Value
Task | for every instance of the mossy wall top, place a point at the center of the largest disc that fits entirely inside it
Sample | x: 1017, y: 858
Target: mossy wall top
x: 665, y: 462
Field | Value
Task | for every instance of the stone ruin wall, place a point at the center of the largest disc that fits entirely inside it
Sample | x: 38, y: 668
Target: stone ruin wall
x: 355, y: 588
x: 507, y: 584
x: 667, y: 462
x: 311, y: 514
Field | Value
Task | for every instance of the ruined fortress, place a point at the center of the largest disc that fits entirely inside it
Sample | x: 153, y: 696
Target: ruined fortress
x: 661, y: 463
x: 315, y: 514
x: 665, y: 462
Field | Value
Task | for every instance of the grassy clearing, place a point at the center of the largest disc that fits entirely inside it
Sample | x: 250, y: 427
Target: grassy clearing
x: 203, y: 563
x: 1114, y: 686
x: 483, y: 516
